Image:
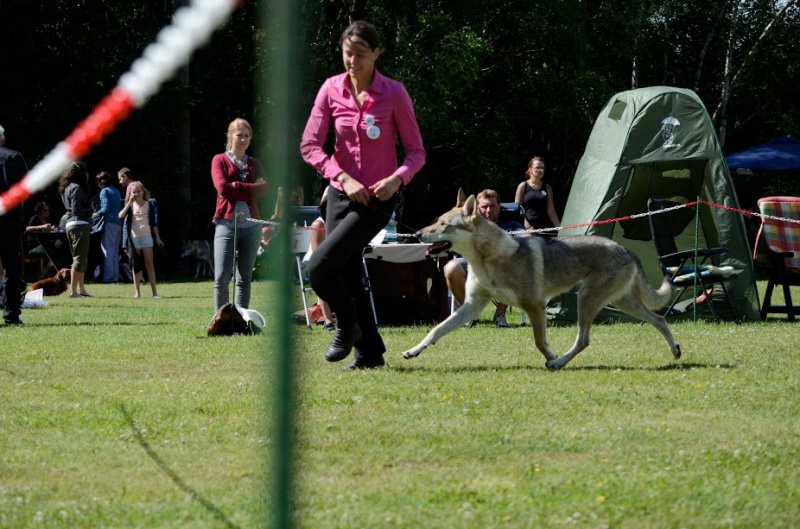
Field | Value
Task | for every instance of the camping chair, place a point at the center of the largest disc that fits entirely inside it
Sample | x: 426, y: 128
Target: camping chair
x: 680, y: 266
x: 511, y: 211
x: 779, y: 243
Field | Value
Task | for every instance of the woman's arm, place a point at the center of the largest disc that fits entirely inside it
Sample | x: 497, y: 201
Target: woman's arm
x: 157, y: 237
x: 103, y: 209
x: 410, y: 136
x: 315, y: 134
x: 519, y: 196
x: 226, y: 182
x: 258, y: 187
x: 124, y: 211
x: 551, y: 208
x: 152, y: 218
x: 408, y: 129
x: 38, y: 228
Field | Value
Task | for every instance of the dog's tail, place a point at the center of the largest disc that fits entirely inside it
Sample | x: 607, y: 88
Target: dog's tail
x: 651, y: 298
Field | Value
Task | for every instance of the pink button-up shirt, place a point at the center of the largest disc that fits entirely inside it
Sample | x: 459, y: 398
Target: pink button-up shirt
x: 366, y: 159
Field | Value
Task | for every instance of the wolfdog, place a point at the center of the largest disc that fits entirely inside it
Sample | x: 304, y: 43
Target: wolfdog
x: 527, y: 272
x: 203, y: 257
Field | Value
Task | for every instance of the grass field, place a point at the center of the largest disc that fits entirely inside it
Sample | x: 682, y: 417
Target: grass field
x: 117, y: 412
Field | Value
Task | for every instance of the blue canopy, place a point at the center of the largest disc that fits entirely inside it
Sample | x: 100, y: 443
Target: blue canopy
x: 781, y: 154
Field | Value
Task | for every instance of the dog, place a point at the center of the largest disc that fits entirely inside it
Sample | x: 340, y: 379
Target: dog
x: 203, y: 257
x: 527, y: 272
x: 53, y: 286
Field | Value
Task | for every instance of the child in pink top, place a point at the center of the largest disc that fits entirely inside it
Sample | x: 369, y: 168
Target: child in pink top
x: 141, y: 223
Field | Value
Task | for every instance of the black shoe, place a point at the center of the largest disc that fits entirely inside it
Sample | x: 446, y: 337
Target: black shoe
x: 342, y: 343
x: 370, y: 362
x: 15, y: 322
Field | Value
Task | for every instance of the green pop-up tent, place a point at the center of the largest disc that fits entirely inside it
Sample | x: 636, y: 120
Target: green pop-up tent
x: 658, y: 142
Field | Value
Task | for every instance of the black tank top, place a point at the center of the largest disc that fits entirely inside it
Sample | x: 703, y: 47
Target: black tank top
x: 535, y: 204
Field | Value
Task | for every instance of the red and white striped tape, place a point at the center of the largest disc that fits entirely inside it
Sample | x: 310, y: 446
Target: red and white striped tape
x: 191, y: 27
x: 665, y: 210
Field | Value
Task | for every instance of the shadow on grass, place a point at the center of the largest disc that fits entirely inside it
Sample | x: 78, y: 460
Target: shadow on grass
x: 210, y: 507
x: 491, y: 368
x: 101, y: 324
x: 668, y: 367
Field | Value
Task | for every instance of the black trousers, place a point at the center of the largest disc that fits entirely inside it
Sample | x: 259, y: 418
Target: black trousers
x: 335, y: 268
x: 11, y: 286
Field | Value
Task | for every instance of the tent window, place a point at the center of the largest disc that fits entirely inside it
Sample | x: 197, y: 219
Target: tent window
x: 617, y: 109
x: 677, y: 173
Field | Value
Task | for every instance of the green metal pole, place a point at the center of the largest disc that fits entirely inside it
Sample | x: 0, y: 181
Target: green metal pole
x: 696, y: 244
x: 277, y: 93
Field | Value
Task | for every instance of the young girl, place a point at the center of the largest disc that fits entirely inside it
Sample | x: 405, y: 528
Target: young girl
x: 141, y: 225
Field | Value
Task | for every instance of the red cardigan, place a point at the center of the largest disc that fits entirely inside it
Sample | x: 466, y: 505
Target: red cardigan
x: 230, y: 188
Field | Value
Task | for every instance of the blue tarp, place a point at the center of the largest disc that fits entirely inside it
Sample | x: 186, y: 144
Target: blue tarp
x: 780, y: 154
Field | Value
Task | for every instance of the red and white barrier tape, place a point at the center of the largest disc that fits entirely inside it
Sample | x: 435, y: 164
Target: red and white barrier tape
x: 273, y: 224
x: 665, y: 210
x: 191, y: 27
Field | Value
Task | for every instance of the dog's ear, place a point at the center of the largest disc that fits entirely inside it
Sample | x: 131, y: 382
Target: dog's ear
x: 468, y: 208
x: 462, y: 198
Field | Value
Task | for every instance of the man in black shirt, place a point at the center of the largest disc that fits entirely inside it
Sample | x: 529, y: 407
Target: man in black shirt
x: 12, y: 170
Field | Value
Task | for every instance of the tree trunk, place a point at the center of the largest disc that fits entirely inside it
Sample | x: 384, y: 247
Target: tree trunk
x: 707, y: 44
x: 719, y: 113
x: 182, y: 158
x: 730, y: 77
x: 635, y: 65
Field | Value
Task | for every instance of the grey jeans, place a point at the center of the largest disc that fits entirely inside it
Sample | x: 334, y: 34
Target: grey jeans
x: 247, y: 245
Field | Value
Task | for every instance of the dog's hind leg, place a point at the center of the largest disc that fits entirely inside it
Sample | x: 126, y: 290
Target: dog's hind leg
x: 636, y: 308
x: 538, y: 317
x: 469, y: 311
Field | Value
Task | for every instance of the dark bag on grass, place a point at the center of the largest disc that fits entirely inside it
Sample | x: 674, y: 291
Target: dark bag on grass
x: 221, y: 324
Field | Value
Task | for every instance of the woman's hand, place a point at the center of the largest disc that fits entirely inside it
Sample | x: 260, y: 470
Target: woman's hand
x: 159, y: 242
x: 386, y: 188
x: 355, y: 190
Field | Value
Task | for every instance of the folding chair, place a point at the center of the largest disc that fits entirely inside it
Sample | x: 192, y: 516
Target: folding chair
x: 778, y: 242
x: 684, y: 272
x: 511, y: 211
x: 301, y: 244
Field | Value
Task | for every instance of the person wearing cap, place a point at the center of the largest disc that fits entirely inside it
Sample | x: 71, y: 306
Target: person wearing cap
x: 12, y: 169
x: 368, y: 112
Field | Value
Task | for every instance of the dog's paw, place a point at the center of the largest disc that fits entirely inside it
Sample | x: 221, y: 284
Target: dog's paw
x: 413, y: 353
x: 677, y: 352
x: 553, y: 365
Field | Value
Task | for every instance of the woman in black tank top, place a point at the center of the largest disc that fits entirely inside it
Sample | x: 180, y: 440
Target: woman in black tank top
x: 536, y: 199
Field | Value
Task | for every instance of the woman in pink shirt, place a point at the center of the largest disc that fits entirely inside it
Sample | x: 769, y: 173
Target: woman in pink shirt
x: 368, y: 112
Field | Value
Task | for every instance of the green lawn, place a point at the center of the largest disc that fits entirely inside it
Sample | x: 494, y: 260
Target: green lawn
x: 118, y: 412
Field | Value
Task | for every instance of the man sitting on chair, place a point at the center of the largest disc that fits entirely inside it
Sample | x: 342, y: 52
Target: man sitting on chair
x: 455, y: 271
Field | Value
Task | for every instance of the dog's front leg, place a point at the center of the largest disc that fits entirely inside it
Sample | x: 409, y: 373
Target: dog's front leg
x: 538, y: 317
x: 469, y: 311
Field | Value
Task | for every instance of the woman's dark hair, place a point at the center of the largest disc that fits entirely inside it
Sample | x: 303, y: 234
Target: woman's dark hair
x: 363, y: 30
x: 40, y: 206
x: 76, y: 173
x: 104, y: 177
